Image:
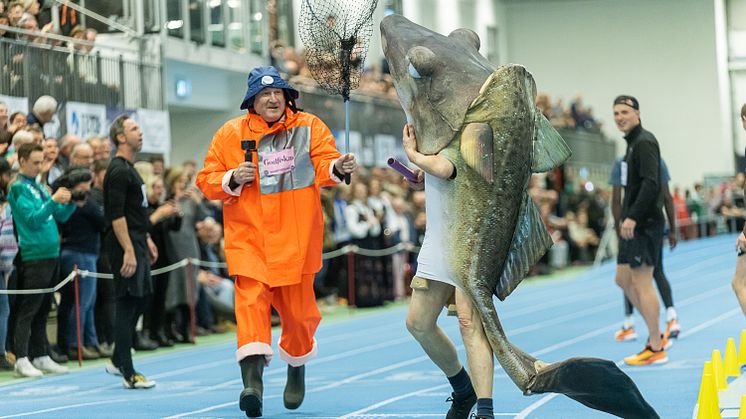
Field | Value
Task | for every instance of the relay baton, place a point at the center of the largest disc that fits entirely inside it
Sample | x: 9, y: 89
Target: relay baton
x: 404, y: 170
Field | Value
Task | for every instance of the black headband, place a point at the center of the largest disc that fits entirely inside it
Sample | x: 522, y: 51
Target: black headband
x: 630, y: 101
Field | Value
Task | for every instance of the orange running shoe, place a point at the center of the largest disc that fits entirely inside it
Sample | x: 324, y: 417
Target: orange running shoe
x: 673, y: 329
x: 625, y: 334
x: 647, y: 357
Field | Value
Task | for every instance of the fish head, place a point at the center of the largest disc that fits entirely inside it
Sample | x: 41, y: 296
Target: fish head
x: 436, y: 77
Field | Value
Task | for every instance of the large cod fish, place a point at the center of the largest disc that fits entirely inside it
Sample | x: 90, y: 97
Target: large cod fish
x: 486, y: 122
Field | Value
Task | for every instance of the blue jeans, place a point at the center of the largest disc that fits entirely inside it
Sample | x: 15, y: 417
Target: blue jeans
x: 4, y: 314
x: 66, y: 331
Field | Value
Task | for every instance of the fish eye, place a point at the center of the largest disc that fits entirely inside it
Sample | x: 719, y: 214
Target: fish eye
x: 413, y: 72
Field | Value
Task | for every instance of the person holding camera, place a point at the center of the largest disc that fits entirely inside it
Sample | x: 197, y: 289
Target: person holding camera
x: 35, y: 213
x: 80, y: 247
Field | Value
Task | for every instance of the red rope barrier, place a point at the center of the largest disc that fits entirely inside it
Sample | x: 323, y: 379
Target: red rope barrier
x: 77, y: 317
x: 191, y: 303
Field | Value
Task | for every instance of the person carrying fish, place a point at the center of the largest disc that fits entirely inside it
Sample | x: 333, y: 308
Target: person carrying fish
x: 433, y: 286
x: 274, y: 225
x: 641, y: 229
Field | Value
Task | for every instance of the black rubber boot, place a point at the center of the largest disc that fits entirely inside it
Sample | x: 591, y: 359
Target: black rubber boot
x: 295, y: 388
x: 250, y: 400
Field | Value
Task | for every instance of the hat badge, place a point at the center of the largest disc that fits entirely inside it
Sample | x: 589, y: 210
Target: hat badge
x: 267, y: 80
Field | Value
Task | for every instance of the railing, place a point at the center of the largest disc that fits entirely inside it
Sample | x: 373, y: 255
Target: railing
x: 31, y: 70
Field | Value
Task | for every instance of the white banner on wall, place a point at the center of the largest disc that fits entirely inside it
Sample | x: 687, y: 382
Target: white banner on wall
x: 156, y: 131
x: 15, y: 104
x: 85, y: 119
x: 385, y: 146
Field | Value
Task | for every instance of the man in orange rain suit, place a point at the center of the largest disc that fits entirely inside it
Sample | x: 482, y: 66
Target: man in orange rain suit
x: 273, y: 225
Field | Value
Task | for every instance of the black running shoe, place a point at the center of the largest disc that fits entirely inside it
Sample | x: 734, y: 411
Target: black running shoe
x: 461, y: 406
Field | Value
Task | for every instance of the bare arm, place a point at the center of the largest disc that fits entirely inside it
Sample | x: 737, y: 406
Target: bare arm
x: 435, y: 165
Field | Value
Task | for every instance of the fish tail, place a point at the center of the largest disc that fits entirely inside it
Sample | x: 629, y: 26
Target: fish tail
x: 519, y: 365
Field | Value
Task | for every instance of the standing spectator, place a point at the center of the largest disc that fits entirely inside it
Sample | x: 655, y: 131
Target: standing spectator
x: 365, y: 229
x: 51, y: 169
x: 17, y: 121
x: 35, y: 213
x: 8, y: 251
x: 181, y: 296
x: 15, y: 12
x: 105, y: 290
x: 68, y: 143
x: 163, y: 218
x: 82, y: 156
x: 130, y: 249
x: 3, y: 116
x: 80, y: 247
x: 642, y: 227
x: 158, y: 165
x: 42, y: 112
x: 275, y: 255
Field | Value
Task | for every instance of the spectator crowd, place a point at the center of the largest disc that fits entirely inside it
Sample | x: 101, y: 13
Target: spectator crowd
x: 45, y: 180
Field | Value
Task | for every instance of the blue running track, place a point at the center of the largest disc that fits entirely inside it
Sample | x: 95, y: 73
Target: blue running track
x: 369, y: 366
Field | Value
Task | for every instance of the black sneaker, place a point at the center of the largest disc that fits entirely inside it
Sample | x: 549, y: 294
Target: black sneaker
x: 461, y: 406
x: 476, y: 416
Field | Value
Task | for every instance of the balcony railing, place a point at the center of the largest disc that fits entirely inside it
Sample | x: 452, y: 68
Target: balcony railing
x: 31, y: 69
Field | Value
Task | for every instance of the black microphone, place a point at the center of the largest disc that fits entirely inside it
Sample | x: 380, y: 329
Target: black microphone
x: 249, y: 146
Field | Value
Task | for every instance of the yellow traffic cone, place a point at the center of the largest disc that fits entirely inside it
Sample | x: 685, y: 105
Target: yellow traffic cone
x: 705, y: 371
x: 742, y: 409
x: 742, y: 349
x: 717, y: 370
x: 731, y: 362
x: 708, y: 401
x: 709, y: 407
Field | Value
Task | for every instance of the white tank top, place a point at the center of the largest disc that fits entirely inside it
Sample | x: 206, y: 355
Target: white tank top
x: 431, y: 261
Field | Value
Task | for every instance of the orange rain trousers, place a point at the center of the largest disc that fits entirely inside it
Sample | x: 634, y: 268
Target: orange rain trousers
x: 299, y: 316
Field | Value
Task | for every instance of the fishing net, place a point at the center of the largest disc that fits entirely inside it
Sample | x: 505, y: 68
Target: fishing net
x: 336, y: 34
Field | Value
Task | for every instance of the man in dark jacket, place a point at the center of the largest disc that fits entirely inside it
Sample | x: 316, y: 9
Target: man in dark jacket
x: 641, y: 230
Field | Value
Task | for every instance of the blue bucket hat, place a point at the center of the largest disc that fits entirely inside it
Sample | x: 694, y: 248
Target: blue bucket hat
x: 262, y: 77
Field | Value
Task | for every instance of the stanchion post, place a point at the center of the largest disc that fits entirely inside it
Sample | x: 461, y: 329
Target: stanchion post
x: 351, y: 278
x: 191, y: 301
x: 77, y: 317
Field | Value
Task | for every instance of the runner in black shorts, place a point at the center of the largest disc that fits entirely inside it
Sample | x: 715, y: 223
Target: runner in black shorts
x: 641, y: 231
x: 627, y: 331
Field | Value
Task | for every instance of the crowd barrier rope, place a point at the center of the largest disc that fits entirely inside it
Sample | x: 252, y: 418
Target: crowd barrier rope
x: 186, y: 262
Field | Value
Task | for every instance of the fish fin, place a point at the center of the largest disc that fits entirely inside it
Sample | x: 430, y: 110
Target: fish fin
x: 476, y: 149
x: 531, y: 241
x: 550, y: 150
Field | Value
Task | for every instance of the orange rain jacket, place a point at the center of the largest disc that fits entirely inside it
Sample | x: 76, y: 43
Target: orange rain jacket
x: 274, y: 230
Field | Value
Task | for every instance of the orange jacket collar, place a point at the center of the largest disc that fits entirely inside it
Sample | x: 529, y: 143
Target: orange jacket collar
x: 257, y: 124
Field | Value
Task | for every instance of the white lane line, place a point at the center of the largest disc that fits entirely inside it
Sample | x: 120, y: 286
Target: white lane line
x: 52, y: 409
x: 728, y: 314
